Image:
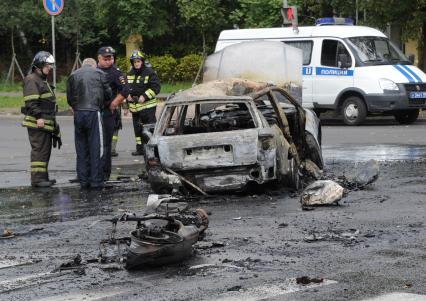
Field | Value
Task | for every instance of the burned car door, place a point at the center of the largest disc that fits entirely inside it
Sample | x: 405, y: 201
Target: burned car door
x: 305, y: 127
x: 300, y: 127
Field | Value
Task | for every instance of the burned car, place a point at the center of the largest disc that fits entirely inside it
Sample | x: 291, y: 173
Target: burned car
x: 245, y: 124
x: 238, y: 132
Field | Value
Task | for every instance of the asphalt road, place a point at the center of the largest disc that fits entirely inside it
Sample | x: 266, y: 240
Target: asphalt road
x: 380, y: 138
x: 370, y: 247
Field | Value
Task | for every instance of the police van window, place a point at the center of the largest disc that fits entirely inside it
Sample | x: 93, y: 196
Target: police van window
x: 305, y: 46
x: 330, y: 52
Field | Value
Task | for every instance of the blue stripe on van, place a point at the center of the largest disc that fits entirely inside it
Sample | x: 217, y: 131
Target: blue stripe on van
x: 403, y: 72
x: 412, y: 73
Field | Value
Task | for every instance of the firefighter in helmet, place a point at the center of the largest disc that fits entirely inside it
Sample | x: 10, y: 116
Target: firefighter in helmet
x: 144, y: 85
x: 40, y: 110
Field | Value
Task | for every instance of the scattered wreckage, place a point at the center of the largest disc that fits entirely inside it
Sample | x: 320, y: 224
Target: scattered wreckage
x: 235, y: 130
x: 164, y: 234
x: 329, y: 192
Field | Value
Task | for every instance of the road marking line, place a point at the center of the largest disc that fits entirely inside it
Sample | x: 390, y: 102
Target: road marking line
x: 270, y: 290
x: 398, y: 297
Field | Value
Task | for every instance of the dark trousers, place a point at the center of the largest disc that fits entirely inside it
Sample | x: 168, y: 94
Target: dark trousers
x: 109, y: 125
x: 89, y: 147
x: 140, y: 118
x: 41, y: 148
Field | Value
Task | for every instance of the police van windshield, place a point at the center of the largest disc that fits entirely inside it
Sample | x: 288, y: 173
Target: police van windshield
x: 377, y: 51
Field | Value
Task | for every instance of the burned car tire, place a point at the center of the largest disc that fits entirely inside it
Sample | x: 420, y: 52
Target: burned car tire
x: 406, y: 116
x: 292, y: 180
x: 314, y: 151
x: 354, y: 111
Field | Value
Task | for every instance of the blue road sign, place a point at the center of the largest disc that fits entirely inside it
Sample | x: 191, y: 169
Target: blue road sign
x: 53, y: 7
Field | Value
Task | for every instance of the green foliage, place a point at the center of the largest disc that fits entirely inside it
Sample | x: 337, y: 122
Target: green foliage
x: 61, y: 85
x: 410, y: 15
x: 10, y: 87
x: 171, y: 70
x: 178, y: 27
x: 258, y: 13
x: 203, y: 15
x: 188, y: 67
x: 170, y: 88
x: 123, y: 63
x: 16, y: 102
x: 165, y: 67
x: 134, y: 17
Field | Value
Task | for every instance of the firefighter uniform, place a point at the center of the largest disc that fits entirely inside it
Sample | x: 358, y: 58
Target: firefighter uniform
x: 40, y: 103
x: 112, y: 121
x: 145, y: 82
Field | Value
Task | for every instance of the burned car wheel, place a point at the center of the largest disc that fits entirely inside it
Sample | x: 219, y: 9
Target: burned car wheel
x: 292, y: 180
x: 314, y: 151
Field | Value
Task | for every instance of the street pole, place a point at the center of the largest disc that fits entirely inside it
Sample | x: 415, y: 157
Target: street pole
x: 356, y: 12
x: 53, y: 51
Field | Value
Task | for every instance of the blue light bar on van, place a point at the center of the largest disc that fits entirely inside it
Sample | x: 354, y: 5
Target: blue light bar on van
x: 334, y: 21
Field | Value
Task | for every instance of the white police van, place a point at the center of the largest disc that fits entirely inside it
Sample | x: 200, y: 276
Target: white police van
x: 354, y: 70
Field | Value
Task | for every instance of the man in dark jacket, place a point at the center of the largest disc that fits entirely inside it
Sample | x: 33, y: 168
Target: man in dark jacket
x: 144, y: 85
x: 40, y: 111
x: 88, y: 92
x: 111, y: 118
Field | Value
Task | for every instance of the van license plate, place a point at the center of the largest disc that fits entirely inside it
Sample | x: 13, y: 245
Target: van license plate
x: 419, y: 94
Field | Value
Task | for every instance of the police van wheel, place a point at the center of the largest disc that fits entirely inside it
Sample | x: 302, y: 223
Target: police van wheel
x: 407, y: 116
x: 354, y: 111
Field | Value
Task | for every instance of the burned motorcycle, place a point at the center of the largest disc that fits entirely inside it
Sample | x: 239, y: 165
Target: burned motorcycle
x: 164, y: 234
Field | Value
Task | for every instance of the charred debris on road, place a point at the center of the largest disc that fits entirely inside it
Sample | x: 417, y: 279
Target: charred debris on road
x: 165, y: 233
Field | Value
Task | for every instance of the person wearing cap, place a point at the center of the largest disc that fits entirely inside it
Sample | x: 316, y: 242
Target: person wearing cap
x: 110, y: 115
x: 40, y: 110
x: 87, y: 92
x: 144, y: 85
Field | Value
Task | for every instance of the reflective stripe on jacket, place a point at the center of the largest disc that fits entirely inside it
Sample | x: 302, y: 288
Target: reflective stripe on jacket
x: 143, y: 82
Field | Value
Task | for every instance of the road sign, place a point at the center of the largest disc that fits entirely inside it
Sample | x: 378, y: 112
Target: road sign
x: 53, y: 7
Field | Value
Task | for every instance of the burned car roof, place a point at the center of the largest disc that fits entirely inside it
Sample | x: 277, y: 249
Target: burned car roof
x: 187, y: 100
x: 233, y: 89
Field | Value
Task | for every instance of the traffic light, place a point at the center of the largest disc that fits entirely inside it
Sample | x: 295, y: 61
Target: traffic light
x: 289, y: 15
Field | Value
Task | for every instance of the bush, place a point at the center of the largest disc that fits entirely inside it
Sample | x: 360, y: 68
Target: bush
x: 165, y: 67
x: 169, y: 69
x: 123, y: 64
x: 188, y: 67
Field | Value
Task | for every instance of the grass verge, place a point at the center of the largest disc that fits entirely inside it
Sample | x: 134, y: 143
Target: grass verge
x: 61, y: 87
x: 16, y: 102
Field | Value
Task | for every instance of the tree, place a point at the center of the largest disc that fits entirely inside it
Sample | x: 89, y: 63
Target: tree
x: 204, y: 15
x: 145, y: 17
x: 258, y: 13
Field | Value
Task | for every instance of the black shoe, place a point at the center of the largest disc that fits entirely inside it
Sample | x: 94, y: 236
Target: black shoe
x: 53, y: 181
x: 42, y: 184
x: 137, y: 153
x: 84, y: 186
x: 114, y: 154
x: 75, y: 180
